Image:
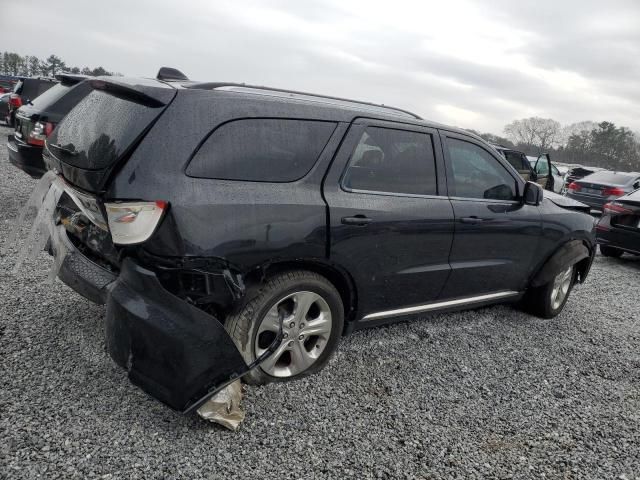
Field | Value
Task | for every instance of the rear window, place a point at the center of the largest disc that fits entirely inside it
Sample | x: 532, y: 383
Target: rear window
x: 517, y: 161
x: 392, y: 161
x: 261, y: 150
x: 99, y: 130
x: 32, y: 88
x: 50, y: 96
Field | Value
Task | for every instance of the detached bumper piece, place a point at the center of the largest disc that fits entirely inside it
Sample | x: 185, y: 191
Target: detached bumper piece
x: 172, y: 350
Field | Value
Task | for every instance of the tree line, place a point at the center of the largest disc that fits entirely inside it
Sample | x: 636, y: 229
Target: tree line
x: 12, y: 63
x: 597, y: 144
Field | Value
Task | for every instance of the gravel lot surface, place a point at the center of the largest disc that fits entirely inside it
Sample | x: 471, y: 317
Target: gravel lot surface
x: 493, y: 393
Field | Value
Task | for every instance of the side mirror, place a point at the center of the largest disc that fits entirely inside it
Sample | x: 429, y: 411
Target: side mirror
x: 533, y: 194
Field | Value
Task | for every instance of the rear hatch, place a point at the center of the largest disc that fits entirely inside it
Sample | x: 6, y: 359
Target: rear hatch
x: 102, y: 130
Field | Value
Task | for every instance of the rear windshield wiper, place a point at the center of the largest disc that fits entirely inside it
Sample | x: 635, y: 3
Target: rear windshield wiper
x: 69, y: 150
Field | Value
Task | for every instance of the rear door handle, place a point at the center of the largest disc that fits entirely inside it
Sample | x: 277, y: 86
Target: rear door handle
x: 471, y: 220
x: 356, y: 220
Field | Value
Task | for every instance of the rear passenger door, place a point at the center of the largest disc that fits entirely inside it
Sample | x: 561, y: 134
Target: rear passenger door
x: 390, y: 225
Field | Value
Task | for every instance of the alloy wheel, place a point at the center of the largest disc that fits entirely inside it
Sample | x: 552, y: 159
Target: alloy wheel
x: 306, y: 329
x: 560, y: 289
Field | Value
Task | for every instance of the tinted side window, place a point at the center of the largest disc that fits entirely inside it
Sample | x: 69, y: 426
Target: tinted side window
x: 517, y: 161
x: 393, y: 161
x: 261, y: 150
x: 476, y: 174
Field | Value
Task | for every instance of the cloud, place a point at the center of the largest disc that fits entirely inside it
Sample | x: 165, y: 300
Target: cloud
x: 473, y: 63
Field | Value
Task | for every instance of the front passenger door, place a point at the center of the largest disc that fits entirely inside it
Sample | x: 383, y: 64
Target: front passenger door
x: 496, y: 236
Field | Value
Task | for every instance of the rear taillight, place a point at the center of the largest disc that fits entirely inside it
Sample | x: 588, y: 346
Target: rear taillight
x: 574, y: 187
x: 615, y: 208
x: 133, y: 222
x: 613, y: 192
x: 15, y: 100
x: 39, y: 133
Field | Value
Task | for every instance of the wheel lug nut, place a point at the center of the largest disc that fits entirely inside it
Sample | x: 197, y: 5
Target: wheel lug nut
x: 291, y: 343
x: 285, y: 334
x: 292, y: 324
x: 302, y: 325
x: 301, y: 337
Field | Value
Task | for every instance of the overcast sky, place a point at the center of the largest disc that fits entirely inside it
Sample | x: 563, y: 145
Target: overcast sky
x: 471, y: 63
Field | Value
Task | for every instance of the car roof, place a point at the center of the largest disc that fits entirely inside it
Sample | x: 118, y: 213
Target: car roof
x: 339, y: 109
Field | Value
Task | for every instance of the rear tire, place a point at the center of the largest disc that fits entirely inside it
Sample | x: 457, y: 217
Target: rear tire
x: 548, y: 300
x: 314, y: 319
x: 610, y: 251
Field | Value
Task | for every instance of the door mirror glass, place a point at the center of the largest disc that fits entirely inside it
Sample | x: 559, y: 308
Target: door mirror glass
x: 533, y: 194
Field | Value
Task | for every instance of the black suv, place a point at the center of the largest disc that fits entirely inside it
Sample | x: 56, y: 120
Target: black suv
x: 24, y: 92
x: 35, y: 121
x: 241, y: 231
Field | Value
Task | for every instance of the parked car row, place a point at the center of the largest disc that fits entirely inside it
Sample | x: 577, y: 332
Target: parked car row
x: 24, y: 92
x: 537, y: 169
x: 235, y: 230
x: 35, y: 121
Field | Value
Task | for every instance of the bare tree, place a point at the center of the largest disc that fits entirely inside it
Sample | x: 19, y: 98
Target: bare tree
x: 542, y: 133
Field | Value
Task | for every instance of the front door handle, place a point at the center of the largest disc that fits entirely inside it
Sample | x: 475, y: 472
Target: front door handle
x: 356, y: 220
x: 471, y: 220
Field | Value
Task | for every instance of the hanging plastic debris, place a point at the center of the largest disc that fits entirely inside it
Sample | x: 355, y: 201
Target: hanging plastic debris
x: 42, y: 202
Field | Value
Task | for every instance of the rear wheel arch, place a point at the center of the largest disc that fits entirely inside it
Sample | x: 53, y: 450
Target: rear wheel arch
x: 341, y: 280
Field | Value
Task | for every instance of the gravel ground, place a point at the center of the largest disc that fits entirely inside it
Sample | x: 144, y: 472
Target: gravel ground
x: 492, y: 393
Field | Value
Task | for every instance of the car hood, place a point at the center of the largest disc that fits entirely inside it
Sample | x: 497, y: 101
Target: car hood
x: 566, y: 202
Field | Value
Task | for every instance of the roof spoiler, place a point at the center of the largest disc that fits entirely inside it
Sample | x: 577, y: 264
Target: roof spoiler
x: 67, y: 78
x: 170, y: 74
x: 128, y: 92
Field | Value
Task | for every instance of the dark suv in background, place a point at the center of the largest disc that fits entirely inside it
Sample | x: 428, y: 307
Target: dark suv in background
x: 241, y: 231
x: 35, y: 121
x: 24, y: 92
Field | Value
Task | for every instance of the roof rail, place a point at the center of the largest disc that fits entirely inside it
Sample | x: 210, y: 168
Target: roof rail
x: 215, y: 85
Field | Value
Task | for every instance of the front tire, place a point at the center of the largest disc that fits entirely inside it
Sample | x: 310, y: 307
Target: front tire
x: 549, y: 299
x: 610, y: 251
x: 313, y: 323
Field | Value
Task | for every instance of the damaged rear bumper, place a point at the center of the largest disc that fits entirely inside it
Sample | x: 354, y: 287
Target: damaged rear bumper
x: 175, y: 352
x: 172, y: 350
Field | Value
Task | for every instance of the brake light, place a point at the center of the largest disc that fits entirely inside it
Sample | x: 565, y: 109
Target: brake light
x: 615, y: 207
x: 133, y: 222
x: 613, y: 192
x: 39, y: 133
x: 573, y: 186
x: 15, y: 100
